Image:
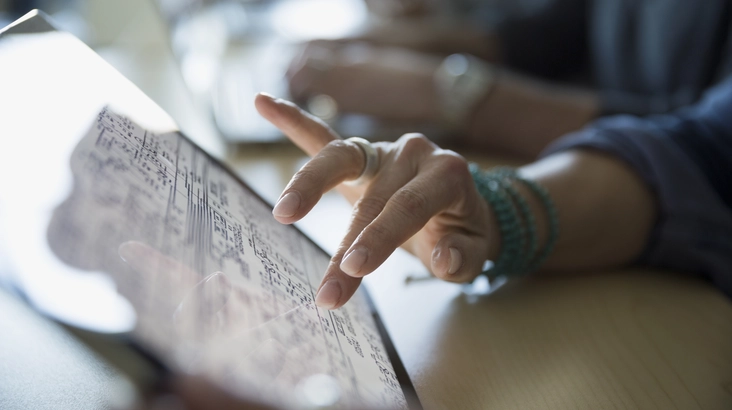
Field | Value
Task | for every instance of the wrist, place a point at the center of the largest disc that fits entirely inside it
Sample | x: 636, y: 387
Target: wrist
x: 517, y: 204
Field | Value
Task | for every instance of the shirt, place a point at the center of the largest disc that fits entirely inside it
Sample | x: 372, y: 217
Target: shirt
x: 644, y: 56
x: 686, y: 159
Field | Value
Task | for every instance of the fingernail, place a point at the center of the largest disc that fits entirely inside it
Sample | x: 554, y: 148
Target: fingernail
x: 329, y: 295
x: 456, y: 260
x: 268, y: 95
x: 287, y: 205
x: 353, y: 262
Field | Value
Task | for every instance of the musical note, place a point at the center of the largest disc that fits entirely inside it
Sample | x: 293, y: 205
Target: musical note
x: 162, y: 191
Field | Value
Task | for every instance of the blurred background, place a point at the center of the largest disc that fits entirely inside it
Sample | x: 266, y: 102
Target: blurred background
x: 380, y: 68
x: 203, y: 60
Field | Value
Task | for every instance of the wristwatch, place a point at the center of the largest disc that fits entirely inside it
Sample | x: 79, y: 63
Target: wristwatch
x: 462, y: 80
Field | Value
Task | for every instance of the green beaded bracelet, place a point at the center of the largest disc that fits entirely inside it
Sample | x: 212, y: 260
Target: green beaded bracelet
x: 507, y: 217
x: 527, y: 230
x: 516, y: 222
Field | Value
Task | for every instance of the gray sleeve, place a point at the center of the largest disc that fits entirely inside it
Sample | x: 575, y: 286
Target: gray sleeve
x: 693, y: 232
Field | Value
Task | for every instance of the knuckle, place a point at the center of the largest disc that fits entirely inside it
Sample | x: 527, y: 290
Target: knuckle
x: 369, y: 207
x: 415, y: 138
x: 378, y: 233
x: 344, y: 152
x: 339, y: 147
x: 415, y: 143
x: 410, y: 201
x: 453, y: 166
x: 308, y: 177
x: 338, y: 144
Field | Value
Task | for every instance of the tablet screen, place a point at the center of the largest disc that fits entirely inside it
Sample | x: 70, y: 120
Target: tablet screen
x: 108, y: 225
x: 218, y: 286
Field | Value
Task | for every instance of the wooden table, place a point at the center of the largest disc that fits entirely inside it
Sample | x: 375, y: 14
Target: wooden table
x: 627, y: 339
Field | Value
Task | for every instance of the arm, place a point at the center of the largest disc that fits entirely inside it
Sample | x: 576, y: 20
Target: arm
x: 655, y: 191
x: 519, y: 115
x: 522, y: 116
x: 424, y: 198
x: 394, y: 83
x: 686, y: 160
x: 606, y: 212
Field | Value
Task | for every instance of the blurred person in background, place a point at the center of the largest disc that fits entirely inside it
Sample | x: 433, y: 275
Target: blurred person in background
x: 520, y: 84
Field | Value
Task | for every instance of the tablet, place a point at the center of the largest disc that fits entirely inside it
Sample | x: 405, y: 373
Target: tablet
x: 116, y: 226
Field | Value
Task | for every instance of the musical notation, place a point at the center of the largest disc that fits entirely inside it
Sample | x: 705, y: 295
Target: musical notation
x: 220, y: 287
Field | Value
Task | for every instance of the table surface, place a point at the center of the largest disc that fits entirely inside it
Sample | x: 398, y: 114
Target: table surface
x: 627, y: 339
x: 630, y: 339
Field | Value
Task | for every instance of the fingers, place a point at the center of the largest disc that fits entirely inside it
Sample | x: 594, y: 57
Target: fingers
x: 338, y: 287
x: 340, y: 160
x: 459, y: 257
x: 307, y: 132
x: 405, y: 213
x: 398, y: 170
x: 420, y: 192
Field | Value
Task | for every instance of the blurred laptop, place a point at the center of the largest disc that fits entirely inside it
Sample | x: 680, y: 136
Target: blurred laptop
x: 228, y: 50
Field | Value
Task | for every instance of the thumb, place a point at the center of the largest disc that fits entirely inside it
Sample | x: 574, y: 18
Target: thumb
x: 459, y: 257
x: 306, y: 131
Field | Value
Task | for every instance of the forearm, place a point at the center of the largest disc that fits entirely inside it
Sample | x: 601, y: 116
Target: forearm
x: 521, y: 116
x: 605, y: 211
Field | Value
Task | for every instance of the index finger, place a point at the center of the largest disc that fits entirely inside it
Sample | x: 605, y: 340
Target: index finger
x: 307, y: 132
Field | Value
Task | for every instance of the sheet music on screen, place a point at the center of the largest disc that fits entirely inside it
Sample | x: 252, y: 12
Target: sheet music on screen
x: 219, y: 287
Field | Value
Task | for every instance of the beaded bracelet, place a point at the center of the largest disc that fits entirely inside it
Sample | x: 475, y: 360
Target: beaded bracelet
x: 551, y: 214
x: 527, y: 230
x: 508, y: 220
x: 516, y: 222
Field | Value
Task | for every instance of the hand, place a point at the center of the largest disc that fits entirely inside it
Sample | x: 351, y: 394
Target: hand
x: 388, y: 83
x: 422, y: 198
